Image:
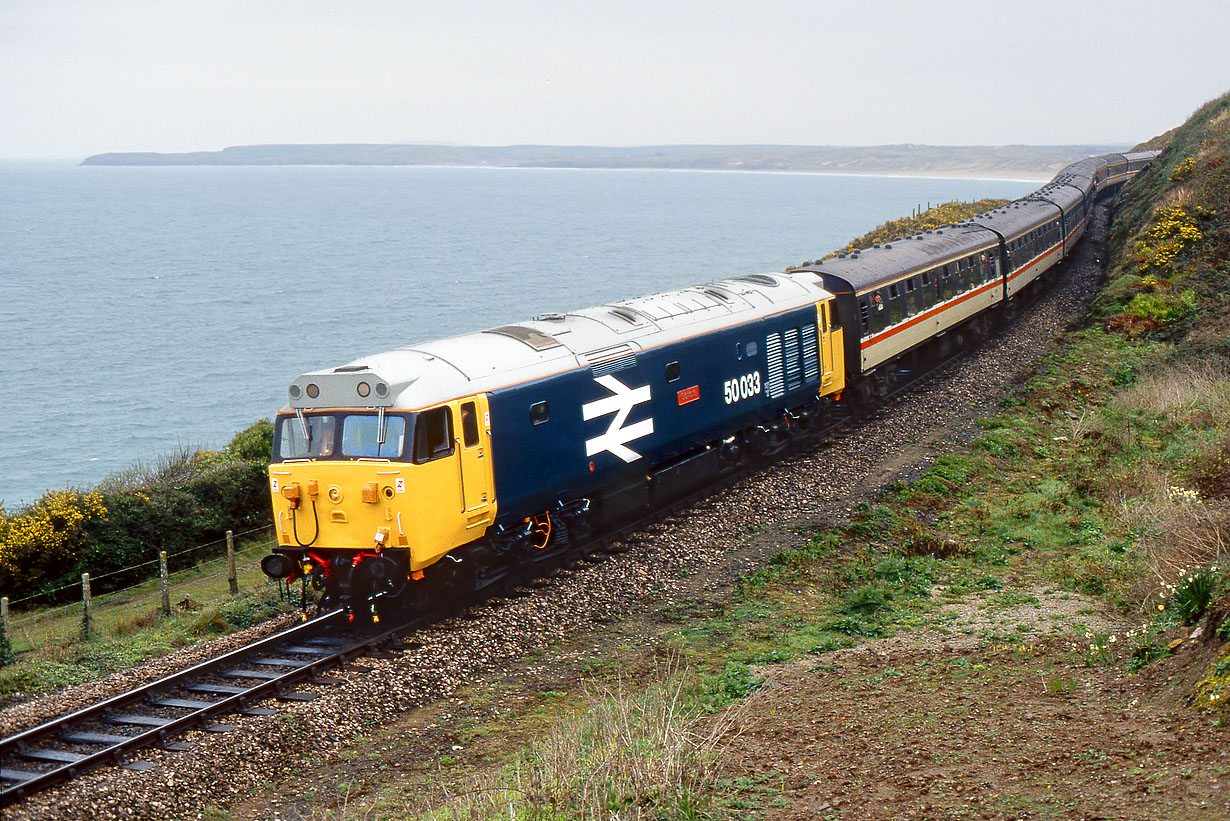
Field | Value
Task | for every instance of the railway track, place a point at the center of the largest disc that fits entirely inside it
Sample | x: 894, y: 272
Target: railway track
x: 152, y: 715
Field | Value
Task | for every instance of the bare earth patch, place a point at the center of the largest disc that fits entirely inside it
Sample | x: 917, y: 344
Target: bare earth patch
x: 932, y: 725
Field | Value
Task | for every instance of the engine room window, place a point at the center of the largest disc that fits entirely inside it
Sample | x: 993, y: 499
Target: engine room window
x: 539, y: 413
x: 318, y: 444
x: 672, y: 372
x: 361, y: 436
x: 751, y: 349
x: 469, y: 424
x: 433, y: 435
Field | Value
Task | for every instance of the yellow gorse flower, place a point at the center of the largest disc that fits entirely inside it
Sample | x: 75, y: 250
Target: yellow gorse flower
x: 1174, y: 231
x: 48, y: 529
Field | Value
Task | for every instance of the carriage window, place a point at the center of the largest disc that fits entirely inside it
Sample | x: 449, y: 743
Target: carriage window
x: 319, y: 441
x: 433, y: 435
x: 892, y: 291
x: 672, y: 372
x: 926, y: 278
x: 539, y: 413
x: 469, y: 424
x: 909, y: 285
x: 361, y: 435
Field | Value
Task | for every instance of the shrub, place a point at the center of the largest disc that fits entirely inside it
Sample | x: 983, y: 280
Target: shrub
x: 43, y: 541
x: 1163, y: 308
x: 1193, y: 594
x: 1183, y: 170
x: 184, y: 503
x: 254, y: 443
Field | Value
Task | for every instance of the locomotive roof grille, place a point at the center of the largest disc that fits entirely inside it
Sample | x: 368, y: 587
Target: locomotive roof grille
x: 758, y: 279
x: 534, y: 338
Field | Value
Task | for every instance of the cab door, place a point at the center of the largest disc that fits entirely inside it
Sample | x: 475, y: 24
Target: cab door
x: 826, y: 347
x: 474, y: 445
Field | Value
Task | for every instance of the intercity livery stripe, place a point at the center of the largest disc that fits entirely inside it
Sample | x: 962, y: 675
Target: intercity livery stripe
x: 934, y: 312
x: 955, y: 301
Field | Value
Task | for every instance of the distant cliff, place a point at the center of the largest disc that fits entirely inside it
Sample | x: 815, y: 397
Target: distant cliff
x: 1020, y: 161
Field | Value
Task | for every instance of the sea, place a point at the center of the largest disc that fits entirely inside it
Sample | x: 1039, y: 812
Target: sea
x: 148, y: 310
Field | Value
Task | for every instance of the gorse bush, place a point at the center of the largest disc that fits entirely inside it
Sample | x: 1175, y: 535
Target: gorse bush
x: 183, y: 504
x: 929, y: 220
x: 1183, y: 170
x: 39, y: 543
x: 1172, y: 235
x: 1174, y: 231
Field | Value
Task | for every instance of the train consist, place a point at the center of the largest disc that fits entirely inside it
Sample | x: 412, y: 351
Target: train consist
x: 429, y: 472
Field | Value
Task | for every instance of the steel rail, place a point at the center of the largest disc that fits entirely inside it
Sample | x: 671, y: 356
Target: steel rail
x: 20, y: 745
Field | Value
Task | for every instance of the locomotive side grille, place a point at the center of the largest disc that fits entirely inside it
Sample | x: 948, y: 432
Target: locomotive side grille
x: 610, y: 359
x: 811, y: 354
x: 794, y: 365
x: 773, y: 355
x: 619, y: 363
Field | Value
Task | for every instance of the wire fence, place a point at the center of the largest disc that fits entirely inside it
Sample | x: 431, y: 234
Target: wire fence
x: 202, y: 584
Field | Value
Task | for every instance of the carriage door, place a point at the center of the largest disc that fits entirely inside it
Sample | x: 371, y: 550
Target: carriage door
x: 474, y: 445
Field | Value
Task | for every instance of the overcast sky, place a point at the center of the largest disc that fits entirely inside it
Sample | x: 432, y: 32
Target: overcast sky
x: 79, y: 77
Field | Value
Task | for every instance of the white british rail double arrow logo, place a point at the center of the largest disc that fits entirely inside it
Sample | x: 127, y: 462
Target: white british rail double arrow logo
x: 617, y: 437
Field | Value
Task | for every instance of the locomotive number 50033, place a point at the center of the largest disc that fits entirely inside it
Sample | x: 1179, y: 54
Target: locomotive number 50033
x: 745, y: 387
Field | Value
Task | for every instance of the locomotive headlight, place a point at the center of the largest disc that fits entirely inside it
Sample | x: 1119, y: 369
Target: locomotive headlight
x: 363, y: 389
x: 312, y: 390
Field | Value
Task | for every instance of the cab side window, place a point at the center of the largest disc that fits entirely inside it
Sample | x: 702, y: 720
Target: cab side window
x: 469, y: 424
x: 433, y: 435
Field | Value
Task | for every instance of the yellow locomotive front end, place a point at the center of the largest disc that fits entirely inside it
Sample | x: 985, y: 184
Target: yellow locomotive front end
x: 366, y: 499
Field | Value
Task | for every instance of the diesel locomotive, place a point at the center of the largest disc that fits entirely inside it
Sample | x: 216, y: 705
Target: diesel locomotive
x: 416, y: 476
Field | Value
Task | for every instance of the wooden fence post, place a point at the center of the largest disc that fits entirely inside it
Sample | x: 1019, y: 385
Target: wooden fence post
x: 166, y: 591
x: 4, y: 618
x: 230, y: 563
x: 87, y: 615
